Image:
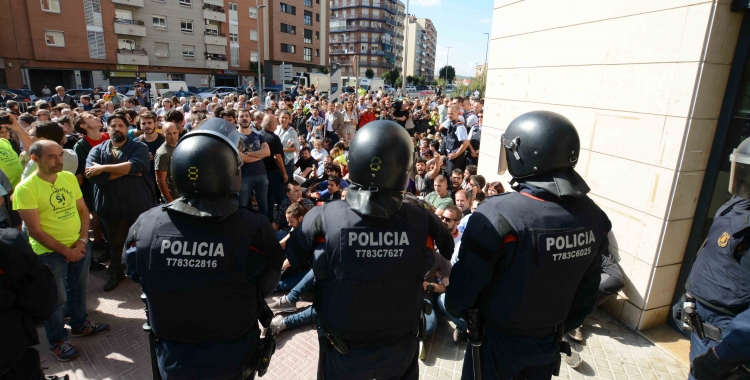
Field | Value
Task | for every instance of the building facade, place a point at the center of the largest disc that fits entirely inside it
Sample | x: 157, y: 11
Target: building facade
x: 656, y: 90
x: 480, y: 70
x: 366, y: 34
x: 296, y: 34
x: 420, y: 55
x: 87, y: 43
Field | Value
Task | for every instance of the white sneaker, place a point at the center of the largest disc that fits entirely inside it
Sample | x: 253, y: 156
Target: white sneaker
x: 574, y: 360
x: 282, y: 304
x: 576, y: 335
x: 277, y: 325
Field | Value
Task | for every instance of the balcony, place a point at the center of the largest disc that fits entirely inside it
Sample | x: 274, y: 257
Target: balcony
x: 130, y: 27
x: 216, y: 61
x: 383, y: 4
x: 132, y: 57
x: 214, y: 12
x: 132, y: 3
x: 214, y: 38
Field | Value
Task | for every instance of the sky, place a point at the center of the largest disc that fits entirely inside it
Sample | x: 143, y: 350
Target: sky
x: 460, y: 24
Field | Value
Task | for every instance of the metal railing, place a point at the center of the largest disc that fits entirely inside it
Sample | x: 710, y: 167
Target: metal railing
x: 209, y: 32
x: 22, y: 106
x: 136, y: 51
x: 213, y: 8
x: 128, y: 21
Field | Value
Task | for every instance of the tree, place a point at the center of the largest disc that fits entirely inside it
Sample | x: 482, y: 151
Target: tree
x: 369, y: 74
x: 409, y: 79
x: 399, y: 82
x: 323, y: 70
x: 420, y: 80
x: 395, y: 75
x: 451, y: 73
x: 212, y: 73
x: 386, y: 77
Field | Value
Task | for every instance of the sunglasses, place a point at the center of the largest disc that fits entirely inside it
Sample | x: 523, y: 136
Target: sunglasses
x: 444, y: 219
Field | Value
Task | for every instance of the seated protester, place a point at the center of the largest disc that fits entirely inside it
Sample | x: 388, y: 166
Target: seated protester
x: 293, y: 196
x: 305, y: 166
x: 494, y: 188
x: 319, y: 183
x: 332, y: 193
x: 321, y: 171
x: 452, y: 218
x: 340, y: 159
x: 334, y: 170
x: 318, y: 153
x: 440, y: 198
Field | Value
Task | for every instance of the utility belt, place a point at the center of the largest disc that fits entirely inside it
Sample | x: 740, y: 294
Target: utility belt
x: 539, y: 332
x: 329, y: 340
x: 687, y: 318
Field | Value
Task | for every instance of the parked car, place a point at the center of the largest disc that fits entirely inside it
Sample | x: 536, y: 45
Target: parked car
x: 24, y: 92
x: 217, y: 91
x: 24, y: 101
x: 349, y: 90
x: 411, y: 89
x: 179, y: 94
x: 388, y: 90
x: 422, y: 88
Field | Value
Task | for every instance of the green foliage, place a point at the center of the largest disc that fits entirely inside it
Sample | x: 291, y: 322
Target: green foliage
x: 476, y: 84
x: 409, y: 80
x: 106, y: 73
x: 253, y: 66
x: 419, y: 80
x: 323, y: 70
x: 399, y: 82
x: 451, y: 73
x: 369, y: 74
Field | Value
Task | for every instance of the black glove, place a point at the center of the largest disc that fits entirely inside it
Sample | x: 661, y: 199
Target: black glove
x: 709, y: 367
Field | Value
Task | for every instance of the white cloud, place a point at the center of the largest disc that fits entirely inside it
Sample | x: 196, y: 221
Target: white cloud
x: 427, y: 3
x: 485, y: 21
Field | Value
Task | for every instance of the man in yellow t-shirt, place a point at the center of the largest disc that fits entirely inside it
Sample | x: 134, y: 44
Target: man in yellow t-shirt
x: 51, y: 204
x: 9, y: 161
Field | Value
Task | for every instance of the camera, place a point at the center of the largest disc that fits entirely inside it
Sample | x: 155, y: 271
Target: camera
x: 145, y: 84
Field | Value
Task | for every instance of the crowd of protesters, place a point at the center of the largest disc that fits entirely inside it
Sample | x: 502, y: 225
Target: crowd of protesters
x: 66, y: 166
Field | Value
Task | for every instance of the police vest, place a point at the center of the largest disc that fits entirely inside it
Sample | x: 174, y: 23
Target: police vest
x: 199, y: 275
x: 556, y: 244
x: 720, y: 277
x: 450, y: 140
x: 370, y: 295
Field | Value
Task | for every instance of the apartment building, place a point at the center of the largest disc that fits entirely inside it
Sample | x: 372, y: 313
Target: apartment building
x: 366, y: 34
x: 296, y: 33
x: 86, y: 43
x: 420, y: 55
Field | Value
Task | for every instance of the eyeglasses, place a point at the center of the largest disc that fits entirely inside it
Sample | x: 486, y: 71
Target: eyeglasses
x: 480, y: 116
x: 445, y: 219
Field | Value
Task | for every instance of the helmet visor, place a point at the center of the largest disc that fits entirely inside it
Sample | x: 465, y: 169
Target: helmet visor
x: 223, y: 129
x: 739, y: 175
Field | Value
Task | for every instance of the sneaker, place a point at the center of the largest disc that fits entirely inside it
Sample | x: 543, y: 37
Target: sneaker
x: 282, y: 304
x: 100, y: 245
x: 90, y: 328
x: 96, y: 267
x: 576, y: 335
x: 277, y: 325
x: 574, y: 360
x: 113, y: 280
x: 63, y: 350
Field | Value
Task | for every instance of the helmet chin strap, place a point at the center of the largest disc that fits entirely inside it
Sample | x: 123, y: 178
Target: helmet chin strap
x: 563, y: 183
x: 380, y: 203
x: 219, y: 207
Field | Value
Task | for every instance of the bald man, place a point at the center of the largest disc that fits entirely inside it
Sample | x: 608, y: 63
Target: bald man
x: 163, y: 159
x: 274, y: 163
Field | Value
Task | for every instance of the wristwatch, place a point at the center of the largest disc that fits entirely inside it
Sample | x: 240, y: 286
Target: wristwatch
x: 430, y: 288
x: 84, y: 241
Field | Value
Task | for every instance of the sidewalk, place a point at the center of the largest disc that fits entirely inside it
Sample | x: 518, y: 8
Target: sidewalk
x: 610, y: 350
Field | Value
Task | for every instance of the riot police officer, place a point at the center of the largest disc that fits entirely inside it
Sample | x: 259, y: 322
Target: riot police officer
x: 530, y: 261
x: 368, y: 289
x: 718, y: 288
x: 204, y: 263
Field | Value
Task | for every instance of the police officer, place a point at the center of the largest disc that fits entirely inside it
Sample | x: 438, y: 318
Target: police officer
x: 204, y: 263
x: 368, y: 289
x: 28, y: 294
x: 455, y: 140
x: 530, y: 261
x: 718, y: 288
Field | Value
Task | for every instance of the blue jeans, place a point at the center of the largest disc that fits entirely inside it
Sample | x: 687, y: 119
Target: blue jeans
x: 459, y: 322
x: 72, y: 281
x: 259, y: 185
x: 305, y: 285
x: 306, y: 316
x: 290, y: 169
x: 290, y: 282
x: 430, y: 320
x: 276, y: 193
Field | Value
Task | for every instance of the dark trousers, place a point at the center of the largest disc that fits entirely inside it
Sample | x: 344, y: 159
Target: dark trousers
x: 276, y: 193
x: 700, y: 346
x: 117, y: 232
x: 457, y: 163
x: 28, y: 367
x: 507, y: 357
x: 333, y: 136
x: 394, y: 362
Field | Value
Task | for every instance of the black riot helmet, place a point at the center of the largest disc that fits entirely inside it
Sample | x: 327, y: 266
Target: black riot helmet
x: 541, y: 148
x: 206, y: 161
x: 380, y: 156
x: 739, y: 174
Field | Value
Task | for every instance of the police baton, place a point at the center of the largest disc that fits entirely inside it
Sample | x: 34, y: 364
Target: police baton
x: 475, y: 340
x: 152, y: 339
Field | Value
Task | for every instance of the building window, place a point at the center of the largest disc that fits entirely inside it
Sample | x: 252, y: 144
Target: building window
x: 286, y: 8
x: 253, y: 56
x: 317, y: 17
x: 188, y: 51
x: 253, y: 12
x: 188, y: 3
x: 286, y: 48
x: 54, y: 38
x: 291, y: 29
x: 51, y: 6
x: 186, y: 25
x: 159, y: 22
x: 96, y: 45
x: 308, y: 3
x: 308, y: 55
x: 232, y: 7
x: 234, y: 56
x: 161, y: 49
x: 317, y: 35
x: 308, y: 36
x: 308, y: 18
x: 317, y: 52
x: 124, y: 43
x: 253, y: 35
x: 233, y: 37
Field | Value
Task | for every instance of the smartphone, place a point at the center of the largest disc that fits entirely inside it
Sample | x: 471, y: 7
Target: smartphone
x: 5, y: 119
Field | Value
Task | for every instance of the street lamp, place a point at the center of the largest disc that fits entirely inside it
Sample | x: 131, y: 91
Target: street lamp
x: 446, y: 67
x: 260, y: 70
x: 486, y: 53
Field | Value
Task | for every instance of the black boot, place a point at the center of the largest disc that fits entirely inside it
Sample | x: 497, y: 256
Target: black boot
x: 115, y: 276
x: 95, y: 266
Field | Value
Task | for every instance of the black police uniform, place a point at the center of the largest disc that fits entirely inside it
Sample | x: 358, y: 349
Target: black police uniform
x: 530, y: 261
x: 368, y: 281
x: 28, y: 294
x: 204, y: 264
x: 451, y: 143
